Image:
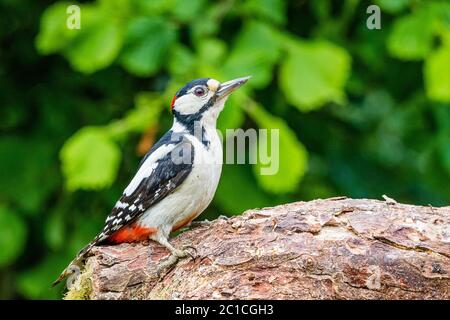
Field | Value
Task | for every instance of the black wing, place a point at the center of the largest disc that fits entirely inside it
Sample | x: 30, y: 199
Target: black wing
x: 165, y: 177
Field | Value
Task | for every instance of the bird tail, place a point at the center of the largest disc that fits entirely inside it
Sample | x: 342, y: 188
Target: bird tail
x: 75, y: 265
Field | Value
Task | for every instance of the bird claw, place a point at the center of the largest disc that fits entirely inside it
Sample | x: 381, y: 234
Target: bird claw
x: 170, y: 262
x: 186, y: 251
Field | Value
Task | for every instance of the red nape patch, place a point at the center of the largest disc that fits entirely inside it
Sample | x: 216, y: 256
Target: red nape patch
x: 132, y: 233
x: 173, y: 102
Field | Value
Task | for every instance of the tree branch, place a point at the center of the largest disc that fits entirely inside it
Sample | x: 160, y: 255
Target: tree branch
x: 336, y: 248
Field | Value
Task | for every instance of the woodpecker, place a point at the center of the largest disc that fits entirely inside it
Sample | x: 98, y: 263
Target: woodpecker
x: 176, y: 180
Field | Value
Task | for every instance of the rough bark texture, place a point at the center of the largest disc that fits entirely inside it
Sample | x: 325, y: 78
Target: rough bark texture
x: 324, y: 249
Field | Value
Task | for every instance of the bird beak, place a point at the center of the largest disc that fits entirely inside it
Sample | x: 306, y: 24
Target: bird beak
x: 228, y: 87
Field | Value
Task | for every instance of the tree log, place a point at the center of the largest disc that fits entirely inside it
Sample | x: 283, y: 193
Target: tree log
x: 337, y: 248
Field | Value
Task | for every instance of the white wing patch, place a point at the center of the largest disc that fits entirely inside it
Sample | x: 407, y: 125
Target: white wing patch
x: 121, y: 205
x: 147, y: 168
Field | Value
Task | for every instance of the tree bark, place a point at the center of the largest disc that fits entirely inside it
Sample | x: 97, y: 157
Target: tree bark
x: 336, y: 248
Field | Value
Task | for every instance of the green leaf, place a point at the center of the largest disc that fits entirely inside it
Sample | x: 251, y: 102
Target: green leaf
x: 186, y: 11
x: 209, y: 23
x: 290, y: 154
x: 25, y: 161
x: 98, y: 43
x: 411, y: 37
x: 441, y: 14
x: 237, y: 180
x: 153, y: 7
x: 54, y: 34
x: 211, y: 51
x: 54, y: 230
x: 96, y: 47
x: 148, y: 107
x: 120, y: 8
x: 147, y: 42
x: 13, y: 234
x: 181, y: 62
x: 393, y: 6
x: 314, y: 73
x: 273, y: 10
x: 437, y: 74
x: 367, y: 115
x: 443, y: 141
x: 255, y: 52
x: 90, y: 159
x: 441, y: 117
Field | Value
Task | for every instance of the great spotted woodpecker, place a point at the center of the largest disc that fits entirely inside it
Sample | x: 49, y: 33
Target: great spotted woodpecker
x: 176, y: 179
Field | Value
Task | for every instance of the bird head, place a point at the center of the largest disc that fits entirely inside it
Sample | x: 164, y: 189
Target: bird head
x: 203, y: 100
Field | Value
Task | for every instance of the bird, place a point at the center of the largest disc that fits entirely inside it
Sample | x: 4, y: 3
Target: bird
x: 176, y: 180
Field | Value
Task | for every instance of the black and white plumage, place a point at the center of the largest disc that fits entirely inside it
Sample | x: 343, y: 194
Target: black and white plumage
x: 178, y: 177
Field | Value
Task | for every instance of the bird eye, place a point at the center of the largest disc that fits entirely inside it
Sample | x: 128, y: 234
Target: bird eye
x: 199, y: 91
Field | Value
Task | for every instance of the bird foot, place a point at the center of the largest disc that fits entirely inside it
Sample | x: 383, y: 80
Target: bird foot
x: 167, y: 264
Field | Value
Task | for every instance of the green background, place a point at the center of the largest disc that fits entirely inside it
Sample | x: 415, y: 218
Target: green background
x: 361, y: 112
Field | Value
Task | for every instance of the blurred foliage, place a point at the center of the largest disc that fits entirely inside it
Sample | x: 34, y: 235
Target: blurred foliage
x: 361, y: 112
